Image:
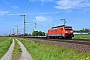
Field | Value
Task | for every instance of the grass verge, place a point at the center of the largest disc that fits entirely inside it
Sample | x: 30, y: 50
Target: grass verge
x: 82, y: 36
x: 3, y: 38
x: 17, y: 51
x: 42, y: 51
x: 4, y: 45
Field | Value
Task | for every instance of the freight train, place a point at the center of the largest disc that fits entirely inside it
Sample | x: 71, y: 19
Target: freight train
x: 57, y: 32
x: 60, y: 32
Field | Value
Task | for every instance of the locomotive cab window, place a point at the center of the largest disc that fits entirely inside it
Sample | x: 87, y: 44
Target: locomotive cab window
x: 61, y: 28
x: 68, y: 28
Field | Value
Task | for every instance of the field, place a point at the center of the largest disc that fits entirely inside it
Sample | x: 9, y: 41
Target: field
x: 4, y: 45
x: 42, y: 51
x: 82, y: 36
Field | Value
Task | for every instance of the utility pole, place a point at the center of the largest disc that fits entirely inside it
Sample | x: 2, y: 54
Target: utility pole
x: 13, y: 33
x: 35, y: 25
x: 7, y: 33
x: 64, y: 21
x: 24, y: 25
x: 17, y: 30
x: 10, y: 32
x: 53, y: 25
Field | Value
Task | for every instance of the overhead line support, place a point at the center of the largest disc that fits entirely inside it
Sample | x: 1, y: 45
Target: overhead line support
x: 24, y: 24
x: 17, y: 30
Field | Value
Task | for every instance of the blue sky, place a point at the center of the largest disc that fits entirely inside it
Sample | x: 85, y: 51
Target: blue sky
x: 45, y: 13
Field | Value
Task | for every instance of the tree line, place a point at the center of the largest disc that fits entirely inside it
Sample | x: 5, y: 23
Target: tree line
x: 36, y: 33
x: 83, y: 30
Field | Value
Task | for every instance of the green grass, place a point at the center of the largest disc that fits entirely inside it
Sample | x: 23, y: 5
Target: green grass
x: 2, y: 38
x: 17, y: 51
x: 42, y: 51
x: 82, y: 36
x: 4, y: 45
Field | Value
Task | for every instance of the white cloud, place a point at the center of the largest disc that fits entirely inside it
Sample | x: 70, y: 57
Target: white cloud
x: 85, y: 11
x: 50, y: 13
x: 14, y: 14
x: 43, y: 0
x: 46, y: 0
x: 3, y: 12
x: 2, y: 19
x: 41, y: 18
x: 14, y: 7
x: 66, y: 4
x: 5, y: 2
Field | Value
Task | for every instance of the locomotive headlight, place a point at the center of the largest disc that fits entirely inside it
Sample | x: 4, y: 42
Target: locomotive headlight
x: 66, y: 32
x: 71, y: 31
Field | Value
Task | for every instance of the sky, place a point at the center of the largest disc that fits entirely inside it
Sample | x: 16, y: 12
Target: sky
x: 45, y: 13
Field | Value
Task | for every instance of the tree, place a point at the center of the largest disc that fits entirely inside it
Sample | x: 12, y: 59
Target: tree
x: 80, y: 30
x: 86, y: 30
x: 27, y: 34
x: 40, y: 33
x: 83, y: 30
x: 43, y: 33
x: 36, y: 33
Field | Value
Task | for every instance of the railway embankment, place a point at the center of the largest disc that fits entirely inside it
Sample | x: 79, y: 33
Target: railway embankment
x: 52, y: 50
x: 79, y: 45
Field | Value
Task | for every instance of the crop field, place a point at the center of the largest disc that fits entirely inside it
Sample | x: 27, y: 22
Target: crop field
x: 82, y: 36
x: 44, y: 51
x: 4, y: 45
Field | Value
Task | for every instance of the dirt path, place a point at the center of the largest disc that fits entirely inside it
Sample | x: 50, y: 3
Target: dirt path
x: 25, y: 55
x: 8, y: 55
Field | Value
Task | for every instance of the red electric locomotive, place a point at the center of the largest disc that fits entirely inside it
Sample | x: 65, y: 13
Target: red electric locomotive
x: 60, y: 32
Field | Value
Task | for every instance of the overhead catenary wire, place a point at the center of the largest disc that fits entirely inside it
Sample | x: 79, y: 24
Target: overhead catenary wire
x: 26, y: 7
x: 70, y: 8
x: 25, y: 15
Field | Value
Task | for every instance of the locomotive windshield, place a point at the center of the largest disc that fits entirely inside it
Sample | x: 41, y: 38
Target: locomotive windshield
x: 68, y: 28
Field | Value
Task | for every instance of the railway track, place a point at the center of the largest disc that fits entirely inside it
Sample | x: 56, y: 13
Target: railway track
x: 76, y: 41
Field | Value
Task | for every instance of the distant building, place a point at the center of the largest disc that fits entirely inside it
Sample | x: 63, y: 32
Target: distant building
x: 80, y: 33
x: 89, y: 33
